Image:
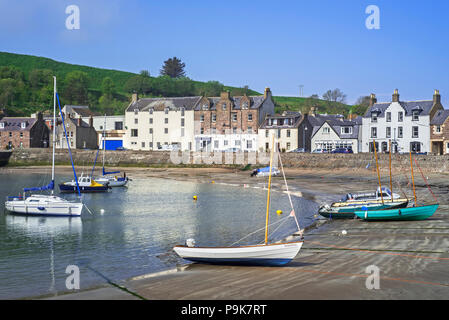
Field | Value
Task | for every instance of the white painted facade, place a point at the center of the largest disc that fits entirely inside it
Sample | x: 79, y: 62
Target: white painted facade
x: 413, y: 131
x: 150, y: 130
x: 326, y: 138
x: 286, y: 138
x: 226, y: 142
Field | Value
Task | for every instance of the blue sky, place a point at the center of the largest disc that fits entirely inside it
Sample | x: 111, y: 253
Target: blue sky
x: 321, y: 44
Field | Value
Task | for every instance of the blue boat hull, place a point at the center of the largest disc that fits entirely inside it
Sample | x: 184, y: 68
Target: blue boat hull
x: 349, y: 213
x: 245, y: 262
x: 412, y: 213
x: 72, y: 189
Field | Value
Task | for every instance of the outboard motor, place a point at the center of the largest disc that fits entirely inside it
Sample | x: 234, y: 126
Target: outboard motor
x: 190, y: 243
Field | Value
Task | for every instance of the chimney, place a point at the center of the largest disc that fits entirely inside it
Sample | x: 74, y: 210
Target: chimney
x: 436, y: 97
x: 267, y: 93
x: 91, y: 122
x: 396, y: 95
x: 79, y: 122
x: 372, y: 100
x: 225, y: 95
x: 134, y: 97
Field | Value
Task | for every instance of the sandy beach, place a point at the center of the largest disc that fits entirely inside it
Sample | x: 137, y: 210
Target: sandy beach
x: 412, y: 257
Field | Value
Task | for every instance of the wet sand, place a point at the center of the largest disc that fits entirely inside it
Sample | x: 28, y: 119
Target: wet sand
x: 412, y: 257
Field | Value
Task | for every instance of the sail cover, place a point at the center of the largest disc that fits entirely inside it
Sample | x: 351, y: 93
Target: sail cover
x: 50, y: 186
x: 105, y: 172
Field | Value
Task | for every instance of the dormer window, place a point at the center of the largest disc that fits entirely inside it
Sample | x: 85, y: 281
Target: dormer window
x: 415, y: 115
x: 166, y: 110
x: 23, y: 125
x: 346, y: 130
x: 2, y: 125
x: 136, y: 111
x: 183, y: 111
x: 373, y: 117
x: 326, y: 130
x: 151, y: 110
x: 245, y: 105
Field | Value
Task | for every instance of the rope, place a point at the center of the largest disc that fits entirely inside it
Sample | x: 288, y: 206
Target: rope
x: 425, y: 180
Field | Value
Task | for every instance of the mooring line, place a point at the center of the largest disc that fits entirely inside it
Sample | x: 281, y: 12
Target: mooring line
x: 372, y: 251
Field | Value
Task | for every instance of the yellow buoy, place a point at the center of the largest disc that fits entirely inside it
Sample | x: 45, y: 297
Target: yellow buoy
x: 279, y: 212
x: 195, y: 198
x: 213, y: 181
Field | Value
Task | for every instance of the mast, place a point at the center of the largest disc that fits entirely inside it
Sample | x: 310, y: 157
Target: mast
x: 269, y: 186
x: 54, y: 133
x: 104, y: 140
x: 413, y: 179
x: 378, y: 173
x: 391, y: 182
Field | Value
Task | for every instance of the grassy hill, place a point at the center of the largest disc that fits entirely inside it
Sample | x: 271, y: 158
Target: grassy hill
x: 26, y: 87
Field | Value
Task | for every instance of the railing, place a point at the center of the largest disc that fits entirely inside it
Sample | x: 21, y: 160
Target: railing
x: 14, y: 198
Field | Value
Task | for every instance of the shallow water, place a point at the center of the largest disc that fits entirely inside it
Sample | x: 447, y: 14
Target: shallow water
x: 135, y: 233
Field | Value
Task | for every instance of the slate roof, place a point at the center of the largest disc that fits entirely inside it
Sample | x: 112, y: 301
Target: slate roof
x: 255, y: 102
x: 336, y: 122
x: 83, y: 111
x: 295, y: 115
x: 425, y: 106
x: 15, y: 124
x: 159, y: 104
x: 75, y: 122
x: 439, y: 117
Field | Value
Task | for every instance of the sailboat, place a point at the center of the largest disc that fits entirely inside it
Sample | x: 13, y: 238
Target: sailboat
x: 417, y: 212
x: 40, y: 204
x: 266, y: 254
x: 108, y: 178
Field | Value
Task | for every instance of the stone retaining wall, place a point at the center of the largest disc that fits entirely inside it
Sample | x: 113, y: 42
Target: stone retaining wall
x: 428, y: 163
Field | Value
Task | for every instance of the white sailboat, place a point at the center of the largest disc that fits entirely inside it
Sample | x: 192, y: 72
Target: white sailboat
x: 266, y: 254
x: 40, y: 204
x: 107, y: 177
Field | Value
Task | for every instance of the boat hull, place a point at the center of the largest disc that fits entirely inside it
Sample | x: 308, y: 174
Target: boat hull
x: 83, y: 189
x: 120, y: 182
x: 262, y: 255
x: 54, y: 209
x: 348, y: 212
x: 412, y: 213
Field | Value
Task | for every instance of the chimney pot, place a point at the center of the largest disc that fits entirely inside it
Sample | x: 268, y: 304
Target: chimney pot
x: 396, y: 95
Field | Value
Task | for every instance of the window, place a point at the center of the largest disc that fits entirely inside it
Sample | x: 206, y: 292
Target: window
x: 400, y: 116
x: 250, y: 117
x: 134, y: 132
x: 214, y: 117
x: 326, y: 130
x: 201, y: 130
x: 166, y: 110
x: 151, y: 130
x: 101, y: 127
x: 346, y: 130
x: 288, y: 134
x: 183, y: 112
x: 250, y: 130
x: 415, y: 115
x: 182, y: 132
x: 266, y: 133
x: 373, y: 132
x: 118, y: 125
x: 234, y: 130
x: 182, y: 122
x: 166, y: 120
x: 249, y: 144
x: 388, y: 133
x: 143, y: 144
x: 21, y: 134
x: 237, y: 143
x: 216, y: 144
x: 374, y: 117
x: 136, y: 111
x: 136, y: 121
x: 245, y: 105
x: 288, y: 145
x: 151, y: 145
x: 166, y: 130
x: 400, y: 132
x: 2, y: 125
x: 225, y: 142
x: 279, y: 133
x: 151, y: 120
x: 388, y: 116
x: 214, y: 130
x: 234, y: 116
x: 224, y: 106
x: 202, y: 118
x: 151, y: 110
x: 438, y: 129
x: 205, y: 107
x: 415, y: 132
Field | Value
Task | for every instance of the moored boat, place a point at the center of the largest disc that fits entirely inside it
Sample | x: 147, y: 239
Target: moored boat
x: 410, y: 213
x: 86, y: 185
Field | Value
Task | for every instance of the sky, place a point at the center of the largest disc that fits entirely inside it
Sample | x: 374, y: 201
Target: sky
x: 320, y: 44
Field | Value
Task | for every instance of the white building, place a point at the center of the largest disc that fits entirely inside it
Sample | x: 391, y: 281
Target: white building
x: 152, y: 123
x: 285, y: 129
x: 405, y: 123
x: 114, y: 130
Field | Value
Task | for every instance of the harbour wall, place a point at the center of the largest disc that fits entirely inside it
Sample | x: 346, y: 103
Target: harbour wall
x: 130, y: 158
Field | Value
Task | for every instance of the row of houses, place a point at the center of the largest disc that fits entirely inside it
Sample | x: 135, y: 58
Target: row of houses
x: 239, y: 123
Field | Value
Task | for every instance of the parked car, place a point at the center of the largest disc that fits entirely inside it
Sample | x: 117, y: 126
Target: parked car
x: 342, y: 150
x: 320, y: 151
x: 232, y: 150
x: 121, y: 148
x: 298, y: 150
x: 169, y: 147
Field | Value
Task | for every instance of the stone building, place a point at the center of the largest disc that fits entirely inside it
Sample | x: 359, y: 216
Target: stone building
x: 24, y: 132
x: 439, y: 132
x: 285, y: 129
x: 405, y: 123
x: 230, y: 123
x: 80, y: 134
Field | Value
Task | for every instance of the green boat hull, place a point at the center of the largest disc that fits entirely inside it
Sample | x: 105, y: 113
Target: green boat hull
x: 412, y: 213
x: 349, y: 213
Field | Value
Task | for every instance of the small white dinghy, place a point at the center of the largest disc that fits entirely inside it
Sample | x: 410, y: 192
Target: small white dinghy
x: 274, y: 254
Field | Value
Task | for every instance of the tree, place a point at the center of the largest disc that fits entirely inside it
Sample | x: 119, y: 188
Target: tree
x: 139, y: 84
x: 107, y: 87
x: 76, y: 85
x: 314, y: 96
x: 174, y: 68
x: 335, y: 95
x: 39, y: 78
x: 363, y: 101
x: 145, y: 73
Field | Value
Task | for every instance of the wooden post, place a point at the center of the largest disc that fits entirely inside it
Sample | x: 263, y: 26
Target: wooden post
x: 413, y: 178
x: 269, y: 186
x: 391, y: 182
x: 378, y: 173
